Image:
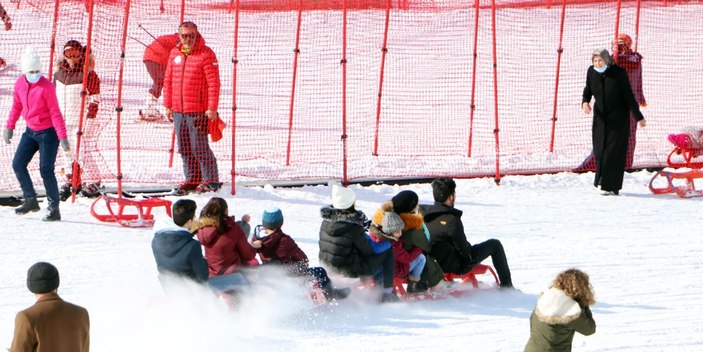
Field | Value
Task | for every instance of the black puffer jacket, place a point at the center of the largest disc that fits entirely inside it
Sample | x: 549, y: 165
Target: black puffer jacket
x: 343, y: 244
x: 449, y: 244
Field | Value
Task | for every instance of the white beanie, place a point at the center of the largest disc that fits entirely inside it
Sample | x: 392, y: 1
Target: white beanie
x: 342, y: 198
x: 30, y: 60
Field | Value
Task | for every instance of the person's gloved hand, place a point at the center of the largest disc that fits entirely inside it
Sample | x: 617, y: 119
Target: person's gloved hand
x: 65, y: 145
x: 92, y: 110
x: 7, y: 135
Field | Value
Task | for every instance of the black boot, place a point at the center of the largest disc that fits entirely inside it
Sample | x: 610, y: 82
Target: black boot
x: 417, y: 286
x: 29, y: 204
x: 52, y: 214
x: 340, y: 293
x: 335, y: 293
x: 65, y: 192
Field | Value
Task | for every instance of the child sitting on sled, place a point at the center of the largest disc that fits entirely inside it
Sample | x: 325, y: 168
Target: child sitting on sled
x: 387, y: 227
x: 275, y: 247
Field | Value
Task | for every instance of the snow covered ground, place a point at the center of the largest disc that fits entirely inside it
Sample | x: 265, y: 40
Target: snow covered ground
x: 643, y: 253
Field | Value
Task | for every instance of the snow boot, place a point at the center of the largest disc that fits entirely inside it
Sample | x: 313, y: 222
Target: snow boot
x: 149, y: 112
x: 65, y: 191
x: 389, y: 298
x: 91, y: 190
x: 417, y: 286
x: 29, y: 204
x: 52, y: 214
x: 336, y: 293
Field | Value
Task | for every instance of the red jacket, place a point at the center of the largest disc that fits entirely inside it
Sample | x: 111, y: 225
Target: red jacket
x: 160, y: 49
x: 225, y: 251
x: 281, y: 248
x: 192, y: 82
x: 403, y: 258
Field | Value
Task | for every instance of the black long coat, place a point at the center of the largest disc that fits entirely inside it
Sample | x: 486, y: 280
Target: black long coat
x: 611, y: 123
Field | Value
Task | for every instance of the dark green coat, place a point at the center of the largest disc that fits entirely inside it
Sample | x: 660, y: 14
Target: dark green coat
x: 555, y: 319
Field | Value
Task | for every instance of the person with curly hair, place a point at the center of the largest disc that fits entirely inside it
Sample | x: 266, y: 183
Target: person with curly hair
x: 560, y: 311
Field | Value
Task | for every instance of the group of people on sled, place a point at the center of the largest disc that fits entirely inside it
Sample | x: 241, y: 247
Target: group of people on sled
x: 402, y: 239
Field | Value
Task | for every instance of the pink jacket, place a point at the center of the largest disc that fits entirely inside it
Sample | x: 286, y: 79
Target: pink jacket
x: 192, y: 83
x: 38, y: 105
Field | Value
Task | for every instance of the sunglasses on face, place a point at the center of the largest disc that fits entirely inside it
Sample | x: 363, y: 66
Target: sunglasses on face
x: 189, y: 35
x: 72, y: 55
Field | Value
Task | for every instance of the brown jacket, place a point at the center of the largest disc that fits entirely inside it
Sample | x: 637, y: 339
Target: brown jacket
x: 52, y: 324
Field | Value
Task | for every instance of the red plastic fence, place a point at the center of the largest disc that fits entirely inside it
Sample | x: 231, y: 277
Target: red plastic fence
x: 373, y: 88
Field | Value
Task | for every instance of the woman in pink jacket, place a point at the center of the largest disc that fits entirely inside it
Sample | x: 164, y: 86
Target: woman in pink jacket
x: 35, y: 100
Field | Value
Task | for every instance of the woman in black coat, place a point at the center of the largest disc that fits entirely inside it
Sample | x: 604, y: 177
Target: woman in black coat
x: 609, y: 85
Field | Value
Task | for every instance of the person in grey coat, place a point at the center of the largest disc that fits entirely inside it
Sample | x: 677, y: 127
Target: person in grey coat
x: 561, y: 311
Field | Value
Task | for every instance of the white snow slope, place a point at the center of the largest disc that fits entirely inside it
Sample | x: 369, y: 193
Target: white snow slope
x: 643, y: 253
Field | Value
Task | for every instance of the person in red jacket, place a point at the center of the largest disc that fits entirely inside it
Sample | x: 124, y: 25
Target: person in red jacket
x: 226, y: 246
x: 191, y: 96
x: 275, y: 247
x: 155, y: 59
x: 631, y: 61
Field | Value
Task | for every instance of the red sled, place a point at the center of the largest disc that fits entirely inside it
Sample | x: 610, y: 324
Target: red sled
x: 399, y: 284
x: 683, y: 169
x: 129, y: 212
x: 679, y: 181
x: 685, y: 157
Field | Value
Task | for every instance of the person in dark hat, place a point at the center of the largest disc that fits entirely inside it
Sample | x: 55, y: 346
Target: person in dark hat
x: 449, y: 244
x: 51, y: 324
x: 415, y: 237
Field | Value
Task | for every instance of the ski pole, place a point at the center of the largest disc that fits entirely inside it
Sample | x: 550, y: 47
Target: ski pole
x: 145, y: 30
x: 136, y: 40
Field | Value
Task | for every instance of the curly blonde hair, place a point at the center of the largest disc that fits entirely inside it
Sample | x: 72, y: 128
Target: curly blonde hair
x: 575, y: 283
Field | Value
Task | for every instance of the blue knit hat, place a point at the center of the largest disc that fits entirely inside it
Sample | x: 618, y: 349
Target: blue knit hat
x: 272, y: 218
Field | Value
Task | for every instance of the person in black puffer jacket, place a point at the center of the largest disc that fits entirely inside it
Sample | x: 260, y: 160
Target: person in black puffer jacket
x: 344, y: 246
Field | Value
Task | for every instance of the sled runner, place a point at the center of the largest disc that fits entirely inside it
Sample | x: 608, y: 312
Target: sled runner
x: 679, y: 181
x: 400, y: 284
x: 129, y: 212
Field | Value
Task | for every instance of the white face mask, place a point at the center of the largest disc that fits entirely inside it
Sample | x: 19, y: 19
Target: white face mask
x: 601, y: 69
x: 33, y: 77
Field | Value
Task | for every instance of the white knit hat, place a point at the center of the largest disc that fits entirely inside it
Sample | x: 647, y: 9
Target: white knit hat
x: 342, y: 198
x: 30, y: 60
